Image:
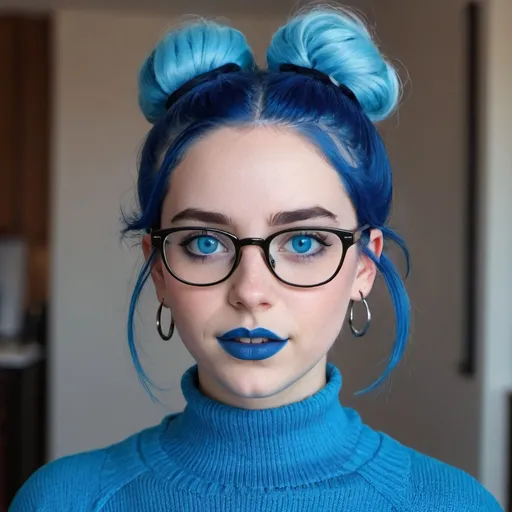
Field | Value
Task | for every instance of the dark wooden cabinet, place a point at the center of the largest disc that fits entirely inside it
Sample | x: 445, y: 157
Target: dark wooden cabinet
x: 25, y: 134
x: 8, y: 126
x: 25, y: 110
x: 34, y: 158
x: 22, y: 426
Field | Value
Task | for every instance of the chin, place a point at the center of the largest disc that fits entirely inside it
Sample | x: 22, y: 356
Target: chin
x: 256, y: 382
x: 253, y: 390
x: 266, y: 383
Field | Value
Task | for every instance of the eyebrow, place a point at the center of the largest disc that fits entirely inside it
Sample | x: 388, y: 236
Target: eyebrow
x: 276, y: 219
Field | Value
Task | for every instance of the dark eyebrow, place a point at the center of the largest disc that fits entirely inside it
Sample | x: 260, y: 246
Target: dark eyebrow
x: 277, y: 219
x: 202, y: 216
x: 315, y: 212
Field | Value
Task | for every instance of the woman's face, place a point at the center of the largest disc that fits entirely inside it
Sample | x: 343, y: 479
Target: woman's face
x: 249, y: 175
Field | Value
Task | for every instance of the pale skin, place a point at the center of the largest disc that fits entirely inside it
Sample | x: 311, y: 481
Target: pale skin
x: 249, y: 175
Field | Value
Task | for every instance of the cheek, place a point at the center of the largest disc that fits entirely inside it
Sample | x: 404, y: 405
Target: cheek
x: 193, y: 308
x: 325, y: 303
x: 323, y: 309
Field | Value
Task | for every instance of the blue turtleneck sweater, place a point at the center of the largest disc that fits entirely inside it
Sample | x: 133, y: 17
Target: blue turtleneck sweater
x: 313, y: 455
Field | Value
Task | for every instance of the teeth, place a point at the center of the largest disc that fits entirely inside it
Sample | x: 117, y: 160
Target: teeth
x: 252, y: 340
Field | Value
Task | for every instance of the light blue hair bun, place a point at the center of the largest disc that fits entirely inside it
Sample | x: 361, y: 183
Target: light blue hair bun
x: 184, y: 53
x: 338, y: 43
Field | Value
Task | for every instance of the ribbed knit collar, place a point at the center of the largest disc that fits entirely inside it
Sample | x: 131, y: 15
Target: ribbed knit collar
x: 312, y: 440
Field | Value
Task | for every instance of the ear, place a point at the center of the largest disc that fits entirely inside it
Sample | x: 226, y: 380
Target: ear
x: 366, y: 268
x: 158, y: 270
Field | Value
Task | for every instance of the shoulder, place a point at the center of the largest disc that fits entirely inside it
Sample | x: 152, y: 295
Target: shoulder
x: 81, y: 482
x: 434, y: 485
x: 55, y: 486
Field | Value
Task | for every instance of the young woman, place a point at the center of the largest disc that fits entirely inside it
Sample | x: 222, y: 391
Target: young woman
x: 264, y: 196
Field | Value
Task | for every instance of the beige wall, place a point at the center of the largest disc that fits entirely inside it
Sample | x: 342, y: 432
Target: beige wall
x: 95, y: 395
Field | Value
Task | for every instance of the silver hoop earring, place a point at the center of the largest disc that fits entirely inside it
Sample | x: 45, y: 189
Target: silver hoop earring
x: 358, y: 333
x: 164, y: 336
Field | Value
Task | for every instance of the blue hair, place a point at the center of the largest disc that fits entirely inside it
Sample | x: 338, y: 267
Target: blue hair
x: 332, y: 41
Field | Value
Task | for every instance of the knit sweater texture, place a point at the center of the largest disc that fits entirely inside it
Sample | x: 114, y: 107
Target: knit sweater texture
x: 313, y: 455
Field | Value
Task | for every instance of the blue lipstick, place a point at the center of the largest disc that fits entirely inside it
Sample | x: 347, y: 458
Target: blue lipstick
x: 251, y: 351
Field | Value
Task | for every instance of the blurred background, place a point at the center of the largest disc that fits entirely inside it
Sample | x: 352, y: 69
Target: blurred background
x: 70, y: 131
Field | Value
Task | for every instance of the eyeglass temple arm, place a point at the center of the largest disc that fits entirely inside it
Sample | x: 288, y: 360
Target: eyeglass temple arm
x: 359, y: 233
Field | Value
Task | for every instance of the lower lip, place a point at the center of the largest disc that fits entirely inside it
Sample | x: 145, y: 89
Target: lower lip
x: 252, y: 351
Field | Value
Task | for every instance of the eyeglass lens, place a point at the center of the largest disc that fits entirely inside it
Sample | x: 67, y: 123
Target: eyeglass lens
x: 300, y: 257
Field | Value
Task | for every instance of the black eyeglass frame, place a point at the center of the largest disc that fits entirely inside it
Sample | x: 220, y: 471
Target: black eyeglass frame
x: 348, y: 239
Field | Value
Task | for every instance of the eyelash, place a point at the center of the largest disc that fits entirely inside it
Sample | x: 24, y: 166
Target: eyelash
x: 315, y: 236
x: 193, y: 237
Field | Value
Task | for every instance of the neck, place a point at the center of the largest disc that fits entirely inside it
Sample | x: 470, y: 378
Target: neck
x: 291, y: 445
x: 255, y: 397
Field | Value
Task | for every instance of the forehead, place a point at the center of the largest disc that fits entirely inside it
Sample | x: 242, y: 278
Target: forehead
x: 250, y: 173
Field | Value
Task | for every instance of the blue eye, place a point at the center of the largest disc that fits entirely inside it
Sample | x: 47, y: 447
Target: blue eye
x: 301, y: 243
x: 204, y: 244
x: 207, y: 246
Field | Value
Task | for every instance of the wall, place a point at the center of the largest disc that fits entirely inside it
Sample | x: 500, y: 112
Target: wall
x: 96, y: 398
x: 427, y: 404
x: 497, y: 246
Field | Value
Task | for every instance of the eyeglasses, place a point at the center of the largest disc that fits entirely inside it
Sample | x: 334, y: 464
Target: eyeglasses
x: 303, y: 257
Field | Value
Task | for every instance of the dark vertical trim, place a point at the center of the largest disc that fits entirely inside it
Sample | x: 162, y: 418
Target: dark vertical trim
x: 468, y: 363
x: 509, y: 452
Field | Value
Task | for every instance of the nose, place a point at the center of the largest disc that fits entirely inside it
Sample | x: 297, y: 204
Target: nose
x: 252, y: 285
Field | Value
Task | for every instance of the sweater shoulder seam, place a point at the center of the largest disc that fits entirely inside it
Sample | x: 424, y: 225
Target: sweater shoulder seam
x: 397, y: 506
x: 106, y: 494
x: 400, y: 503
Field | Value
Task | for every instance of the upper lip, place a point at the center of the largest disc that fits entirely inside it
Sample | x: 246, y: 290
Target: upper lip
x: 242, y: 332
